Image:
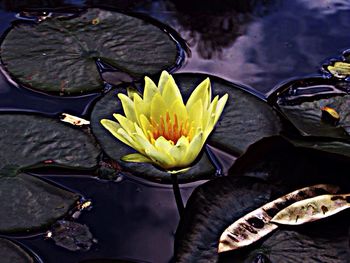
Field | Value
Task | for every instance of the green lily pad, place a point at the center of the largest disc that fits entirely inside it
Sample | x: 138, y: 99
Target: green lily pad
x: 12, y: 253
x: 245, y: 120
x: 28, y: 203
x: 269, y: 169
x: 58, y: 55
x: 29, y: 140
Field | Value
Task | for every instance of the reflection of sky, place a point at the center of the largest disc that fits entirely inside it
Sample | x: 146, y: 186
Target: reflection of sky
x: 285, y: 40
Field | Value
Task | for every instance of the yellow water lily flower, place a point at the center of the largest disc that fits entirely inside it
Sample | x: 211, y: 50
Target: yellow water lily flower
x: 164, y: 130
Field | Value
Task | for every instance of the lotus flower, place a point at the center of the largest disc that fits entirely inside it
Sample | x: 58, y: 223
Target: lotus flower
x: 164, y: 130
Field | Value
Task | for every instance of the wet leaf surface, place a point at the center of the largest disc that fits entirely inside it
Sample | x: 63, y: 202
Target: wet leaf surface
x: 283, y: 168
x: 12, y: 253
x: 28, y: 203
x: 245, y: 119
x: 36, y: 140
x: 58, y: 55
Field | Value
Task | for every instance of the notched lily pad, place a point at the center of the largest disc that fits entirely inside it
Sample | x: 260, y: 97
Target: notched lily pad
x: 28, y: 203
x: 12, y: 253
x: 30, y: 140
x: 245, y: 120
x: 58, y: 55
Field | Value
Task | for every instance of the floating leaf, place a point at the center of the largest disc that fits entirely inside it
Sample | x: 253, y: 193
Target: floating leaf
x: 312, y: 209
x: 256, y: 224
x: 340, y: 69
x: 12, y: 253
x: 36, y: 140
x: 232, y: 134
x: 28, y: 203
x: 58, y: 55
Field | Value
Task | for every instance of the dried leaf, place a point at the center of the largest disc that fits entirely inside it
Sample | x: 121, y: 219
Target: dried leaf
x: 74, y: 120
x: 340, y: 69
x: 312, y: 209
x: 256, y: 224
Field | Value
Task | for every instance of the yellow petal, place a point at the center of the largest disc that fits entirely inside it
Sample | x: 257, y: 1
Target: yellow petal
x: 163, y: 145
x: 128, y: 107
x: 209, y: 113
x: 161, y: 159
x: 125, y: 123
x: 178, y: 108
x: 179, y: 150
x: 141, y: 107
x: 171, y: 92
x: 220, y: 106
x: 145, y: 124
x: 163, y: 80
x: 158, y: 108
x: 195, y: 114
x: 136, y: 158
x: 113, y: 128
x: 131, y: 91
x: 150, y: 90
x: 202, y: 91
x: 194, y: 148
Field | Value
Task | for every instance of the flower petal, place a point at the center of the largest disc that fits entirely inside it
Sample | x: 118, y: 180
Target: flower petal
x: 150, y: 90
x: 195, y: 114
x: 194, y: 148
x: 113, y: 128
x: 128, y: 107
x: 171, y: 92
x: 125, y: 123
x: 141, y: 107
x: 202, y: 91
x: 161, y: 159
x: 158, y: 108
x: 179, y: 150
x: 220, y: 106
x: 136, y: 157
x: 163, y: 144
x: 163, y: 80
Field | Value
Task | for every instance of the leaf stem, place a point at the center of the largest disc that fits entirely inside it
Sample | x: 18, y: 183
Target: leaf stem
x: 177, y: 195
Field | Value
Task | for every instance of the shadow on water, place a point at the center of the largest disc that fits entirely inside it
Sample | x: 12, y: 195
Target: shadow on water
x: 256, y: 43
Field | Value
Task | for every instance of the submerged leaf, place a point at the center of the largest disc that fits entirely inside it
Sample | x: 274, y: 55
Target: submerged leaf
x: 256, y: 224
x: 12, y: 253
x: 312, y: 209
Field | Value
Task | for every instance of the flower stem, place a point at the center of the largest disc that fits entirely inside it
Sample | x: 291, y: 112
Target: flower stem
x: 177, y: 194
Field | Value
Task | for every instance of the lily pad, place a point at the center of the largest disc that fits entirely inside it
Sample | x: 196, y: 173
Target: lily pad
x: 270, y: 168
x: 12, y: 253
x: 303, y: 103
x: 245, y: 120
x: 30, y: 140
x: 28, y: 203
x: 58, y: 55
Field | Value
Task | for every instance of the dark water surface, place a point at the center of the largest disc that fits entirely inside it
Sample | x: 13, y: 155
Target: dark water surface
x: 259, y: 44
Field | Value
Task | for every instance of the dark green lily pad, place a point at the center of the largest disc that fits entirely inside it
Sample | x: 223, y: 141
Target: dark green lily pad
x: 12, y: 253
x: 29, y: 140
x: 295, y: 247
x: 269, y: 169
x: 245, y: 120
x: 58, y: 55
x: 28, y: 203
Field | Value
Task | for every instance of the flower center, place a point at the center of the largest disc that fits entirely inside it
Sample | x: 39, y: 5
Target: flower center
x: 170, y: 128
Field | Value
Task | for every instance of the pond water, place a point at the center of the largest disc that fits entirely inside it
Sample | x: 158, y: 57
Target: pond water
x: 258, y: 44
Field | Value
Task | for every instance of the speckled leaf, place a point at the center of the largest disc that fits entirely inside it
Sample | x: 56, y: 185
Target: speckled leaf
x: 214, y: 205
x: 312, y: 209
x: 28, y: 203
x: 257, y: 224
x: 29, y: 140
x: 58, y: 54
x: 245, y: 120
x: 12, y: 253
